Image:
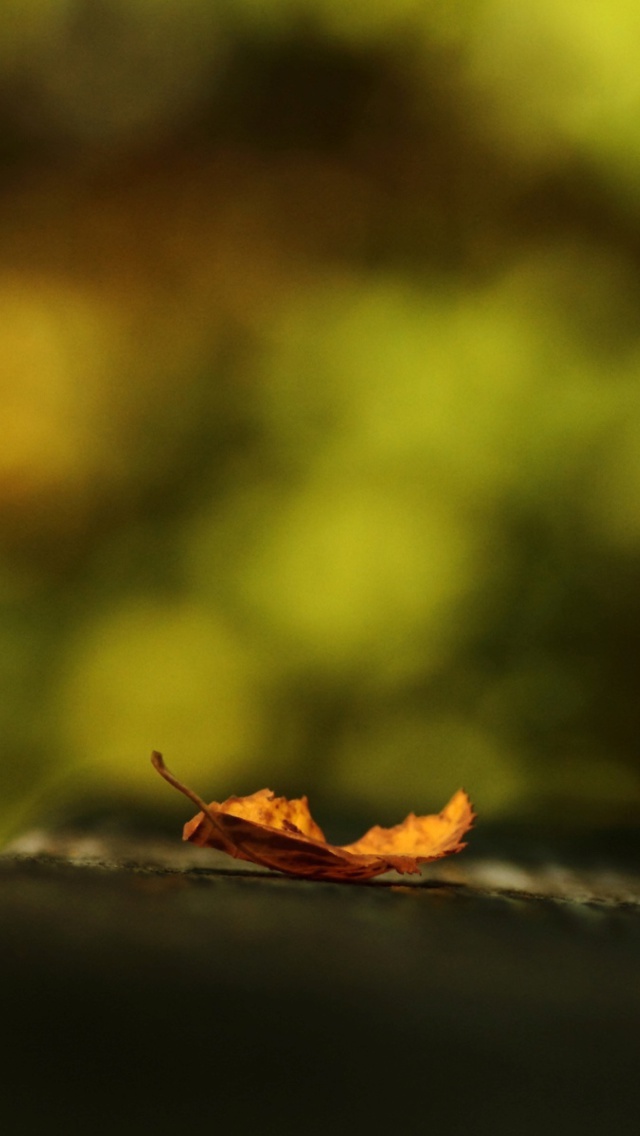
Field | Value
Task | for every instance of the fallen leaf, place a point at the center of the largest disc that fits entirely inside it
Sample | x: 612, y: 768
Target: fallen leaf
x: 282, y: 835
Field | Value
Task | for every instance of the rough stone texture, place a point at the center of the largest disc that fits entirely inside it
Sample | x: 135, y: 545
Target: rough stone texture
x: 155, y: 987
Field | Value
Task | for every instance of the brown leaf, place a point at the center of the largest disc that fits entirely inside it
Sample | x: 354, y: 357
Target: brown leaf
x: 282, y: 835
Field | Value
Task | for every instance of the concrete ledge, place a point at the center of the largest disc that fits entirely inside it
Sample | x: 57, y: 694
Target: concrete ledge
x: 153, y: 987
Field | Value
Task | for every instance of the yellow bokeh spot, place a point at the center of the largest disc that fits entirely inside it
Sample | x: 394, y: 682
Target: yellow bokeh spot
x: 353, y: 572
x: 167, y: 676
x: 552, y: 75
x: 55, y: 347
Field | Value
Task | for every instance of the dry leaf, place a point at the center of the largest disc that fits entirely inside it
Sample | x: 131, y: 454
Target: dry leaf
x: 283, y: 835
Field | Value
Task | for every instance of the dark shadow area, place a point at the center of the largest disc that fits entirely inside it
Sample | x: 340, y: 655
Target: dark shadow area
x: 147, y: 1002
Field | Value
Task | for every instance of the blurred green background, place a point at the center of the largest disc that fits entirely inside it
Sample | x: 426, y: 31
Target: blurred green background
x: 320, y: 404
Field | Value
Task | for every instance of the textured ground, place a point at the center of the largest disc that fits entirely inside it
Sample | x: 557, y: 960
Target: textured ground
x: 156, y: 987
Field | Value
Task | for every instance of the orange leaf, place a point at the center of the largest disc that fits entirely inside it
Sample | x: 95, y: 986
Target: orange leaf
x: 282, y: 834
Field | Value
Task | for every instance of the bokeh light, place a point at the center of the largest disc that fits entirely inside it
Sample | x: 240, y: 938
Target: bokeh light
x: 319, y: 374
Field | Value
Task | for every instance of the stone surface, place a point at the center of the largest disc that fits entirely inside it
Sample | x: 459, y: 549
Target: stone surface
x: 150, y: 986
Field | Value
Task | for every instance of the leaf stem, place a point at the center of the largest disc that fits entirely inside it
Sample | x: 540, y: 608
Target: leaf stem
x: 157, y: 761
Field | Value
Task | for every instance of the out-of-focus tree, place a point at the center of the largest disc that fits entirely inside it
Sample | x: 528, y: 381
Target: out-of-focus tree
x: 320, y: 350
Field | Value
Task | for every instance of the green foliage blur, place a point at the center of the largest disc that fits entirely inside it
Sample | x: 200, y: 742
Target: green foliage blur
x: 320, y: 403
